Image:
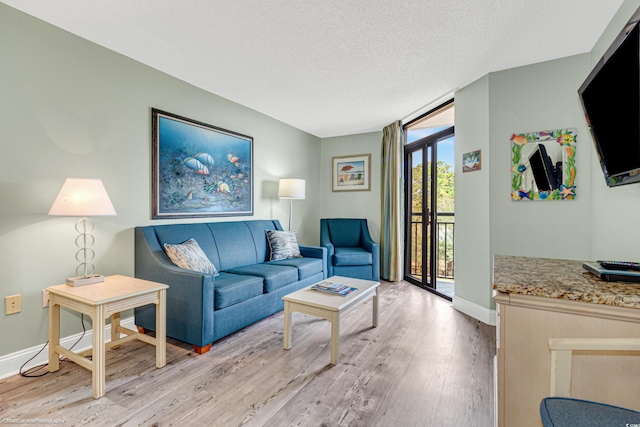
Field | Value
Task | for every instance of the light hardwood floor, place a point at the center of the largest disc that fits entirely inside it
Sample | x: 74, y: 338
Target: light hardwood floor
x: 426, y: 364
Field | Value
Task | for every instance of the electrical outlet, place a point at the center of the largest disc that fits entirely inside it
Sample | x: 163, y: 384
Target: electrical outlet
x: 13, y: 304
x: 45, y: 298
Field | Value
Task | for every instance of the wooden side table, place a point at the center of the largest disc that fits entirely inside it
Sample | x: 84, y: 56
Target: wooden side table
x: 99, y: 301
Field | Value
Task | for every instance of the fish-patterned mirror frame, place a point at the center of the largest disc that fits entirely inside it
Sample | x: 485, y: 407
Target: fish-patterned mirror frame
x: 567, y: 189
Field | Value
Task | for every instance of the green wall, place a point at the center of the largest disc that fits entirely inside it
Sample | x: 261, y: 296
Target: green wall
x: 70, y: 108
x: 472, y: 251
x: 600, y: 223
x: 353, y: 204
x: 539, y: 97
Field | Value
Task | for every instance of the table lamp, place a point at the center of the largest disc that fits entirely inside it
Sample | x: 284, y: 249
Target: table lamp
x: 291, y: 188
x: 83, y: 197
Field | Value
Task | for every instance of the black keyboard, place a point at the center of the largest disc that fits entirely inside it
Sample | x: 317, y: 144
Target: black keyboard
x: 620, y: 265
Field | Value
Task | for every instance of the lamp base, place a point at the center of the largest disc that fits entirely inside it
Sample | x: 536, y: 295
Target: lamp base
x: 88, y: 280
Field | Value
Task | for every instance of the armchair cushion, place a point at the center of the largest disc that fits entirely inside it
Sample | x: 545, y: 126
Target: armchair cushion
x: 352, y: 256
x: 345, y: 233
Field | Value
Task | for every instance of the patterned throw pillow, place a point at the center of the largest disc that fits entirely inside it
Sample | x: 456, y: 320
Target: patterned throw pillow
x: 190, y: 256
x: 283, y: 244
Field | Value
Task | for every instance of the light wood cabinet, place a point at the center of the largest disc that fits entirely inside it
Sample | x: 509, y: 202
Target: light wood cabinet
x: 525, y: 324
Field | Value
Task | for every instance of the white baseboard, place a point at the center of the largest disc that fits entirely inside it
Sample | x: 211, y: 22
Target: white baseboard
x: 11, y: 363
x: 474, y: 310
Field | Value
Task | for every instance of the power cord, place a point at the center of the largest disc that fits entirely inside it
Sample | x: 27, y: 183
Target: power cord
x: 29, y: 373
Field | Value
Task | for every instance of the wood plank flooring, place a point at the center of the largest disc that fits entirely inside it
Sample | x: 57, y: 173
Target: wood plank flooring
x: 426, y: 364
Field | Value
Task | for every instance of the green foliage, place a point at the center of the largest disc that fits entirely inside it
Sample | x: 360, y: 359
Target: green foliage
x: 445, y: 203
x: 445, y: 190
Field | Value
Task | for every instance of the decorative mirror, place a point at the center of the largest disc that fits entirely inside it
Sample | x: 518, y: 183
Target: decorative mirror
x: 543, y: 165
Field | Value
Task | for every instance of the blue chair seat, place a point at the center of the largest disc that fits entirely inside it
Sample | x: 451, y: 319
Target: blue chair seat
x: 352, y: 256
x: 567, y: 412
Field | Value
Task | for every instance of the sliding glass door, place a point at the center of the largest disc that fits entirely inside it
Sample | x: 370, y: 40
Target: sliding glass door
x: 429, y: 199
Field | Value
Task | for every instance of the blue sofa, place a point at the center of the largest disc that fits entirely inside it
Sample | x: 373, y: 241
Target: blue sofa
x: 351, y: 251
x: 202, y: 308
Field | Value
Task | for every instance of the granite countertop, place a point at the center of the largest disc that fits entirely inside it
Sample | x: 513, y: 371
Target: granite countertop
x: 563, y: 279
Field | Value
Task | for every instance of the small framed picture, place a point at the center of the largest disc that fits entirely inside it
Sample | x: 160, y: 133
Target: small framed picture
x: 471, y: 161
x: 352, y: 173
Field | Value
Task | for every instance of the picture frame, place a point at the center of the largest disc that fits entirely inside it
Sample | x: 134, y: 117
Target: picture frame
x: 543, y: 165
x: 199, y: 170
x: 472, y: 161
x: 351, y: 173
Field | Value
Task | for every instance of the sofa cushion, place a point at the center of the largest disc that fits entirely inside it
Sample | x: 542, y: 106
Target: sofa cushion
x: 189, y: 255
x: 307, y: 267
x: 275, y: 276
x: 352, y: 256
x: 231, y: 289
x: 178, y: 233
x: 234, y: 244
x: 283, y: 244
x: 257, y: 229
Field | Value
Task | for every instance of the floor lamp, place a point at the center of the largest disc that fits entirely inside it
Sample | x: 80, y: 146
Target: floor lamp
x: 291, y: 188
x: 83, y: 197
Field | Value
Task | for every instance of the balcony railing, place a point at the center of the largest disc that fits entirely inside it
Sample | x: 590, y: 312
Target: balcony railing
x: 445, y: 229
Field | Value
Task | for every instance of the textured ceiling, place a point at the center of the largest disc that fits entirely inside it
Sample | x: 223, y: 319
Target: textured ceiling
x: 333, y: 67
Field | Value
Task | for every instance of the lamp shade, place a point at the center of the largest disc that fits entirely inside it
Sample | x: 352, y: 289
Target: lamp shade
x: 82, y: 197
x: 291, y: 188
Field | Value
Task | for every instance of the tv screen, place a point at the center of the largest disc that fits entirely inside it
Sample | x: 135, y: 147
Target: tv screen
x: 543, y: 171
x: 610, y: 98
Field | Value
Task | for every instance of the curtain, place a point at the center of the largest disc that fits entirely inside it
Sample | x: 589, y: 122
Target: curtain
x: 392, y: 221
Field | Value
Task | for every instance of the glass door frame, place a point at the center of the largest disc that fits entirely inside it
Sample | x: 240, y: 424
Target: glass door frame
x: 429, y: 250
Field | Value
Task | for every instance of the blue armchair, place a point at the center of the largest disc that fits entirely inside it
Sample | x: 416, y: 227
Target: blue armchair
x: 351, y: 251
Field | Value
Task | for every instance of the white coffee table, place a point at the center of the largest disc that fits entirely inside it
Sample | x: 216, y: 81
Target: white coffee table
x: 329, y: 307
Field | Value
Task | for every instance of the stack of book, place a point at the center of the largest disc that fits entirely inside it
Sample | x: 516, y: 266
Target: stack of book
x: 333, y: 288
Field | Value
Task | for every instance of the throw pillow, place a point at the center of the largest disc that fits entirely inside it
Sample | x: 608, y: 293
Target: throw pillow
x: 283, y: 244
x: 190, y: 256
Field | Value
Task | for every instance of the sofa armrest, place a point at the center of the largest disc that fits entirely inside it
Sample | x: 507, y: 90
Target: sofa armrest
x: 313, y: 251
x: 316, y: 252
x: 330, y: 253
x: 189, y: 296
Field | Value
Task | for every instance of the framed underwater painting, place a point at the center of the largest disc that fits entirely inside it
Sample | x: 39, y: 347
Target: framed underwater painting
x: 199, y: 170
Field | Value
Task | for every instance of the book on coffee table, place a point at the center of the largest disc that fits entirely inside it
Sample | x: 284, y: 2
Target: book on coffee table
x: 333, y: 288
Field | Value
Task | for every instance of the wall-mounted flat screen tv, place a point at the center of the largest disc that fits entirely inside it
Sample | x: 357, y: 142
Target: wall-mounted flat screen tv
x: 610, y: 98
